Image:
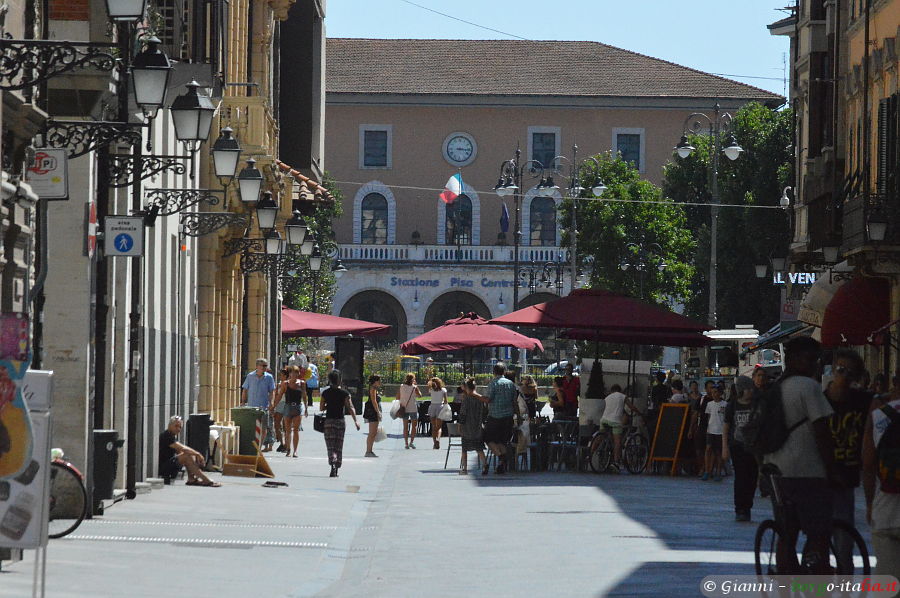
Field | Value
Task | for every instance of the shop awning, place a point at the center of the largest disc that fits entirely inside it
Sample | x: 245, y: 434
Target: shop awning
x: 639, y: 337
x: 304, y: 323
x: 779, y: 333
x: 812, y: 307
x: 859, y: 307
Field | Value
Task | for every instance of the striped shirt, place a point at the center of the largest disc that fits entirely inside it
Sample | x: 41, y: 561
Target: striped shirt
x: 501, y: 393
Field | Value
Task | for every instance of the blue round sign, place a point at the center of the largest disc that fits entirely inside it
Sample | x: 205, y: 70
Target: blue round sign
x: 123, y: 242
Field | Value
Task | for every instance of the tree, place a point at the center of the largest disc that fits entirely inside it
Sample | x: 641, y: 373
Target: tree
x: 632, y: 210
x: 321, y: 294
x: 747, y: 236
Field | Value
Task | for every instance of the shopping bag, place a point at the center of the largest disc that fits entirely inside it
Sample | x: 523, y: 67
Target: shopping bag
x: 446, y: 413
x: 380, y: 434
x: 319, y: 422
x: 395, y: 409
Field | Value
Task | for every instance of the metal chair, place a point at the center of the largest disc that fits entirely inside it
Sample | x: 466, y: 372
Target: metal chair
x: 452, y: 432
x: 424, y: 425
x: 563, y: 442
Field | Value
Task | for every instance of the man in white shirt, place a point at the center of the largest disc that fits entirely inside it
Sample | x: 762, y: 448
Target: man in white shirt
x: 805, y: 460
x: 613, y: 414
x: 883, y: 508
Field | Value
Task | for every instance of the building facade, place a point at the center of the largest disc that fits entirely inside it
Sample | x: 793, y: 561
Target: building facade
x: 406, y: 115
x: 845, y: 89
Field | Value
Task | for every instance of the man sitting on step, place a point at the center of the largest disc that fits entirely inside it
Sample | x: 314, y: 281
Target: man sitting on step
x: 173, y: 456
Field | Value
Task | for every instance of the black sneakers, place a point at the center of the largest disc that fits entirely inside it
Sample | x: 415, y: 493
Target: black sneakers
x: 333, y: 472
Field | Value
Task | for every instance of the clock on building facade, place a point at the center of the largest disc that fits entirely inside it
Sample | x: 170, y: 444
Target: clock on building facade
x: 459, y: 149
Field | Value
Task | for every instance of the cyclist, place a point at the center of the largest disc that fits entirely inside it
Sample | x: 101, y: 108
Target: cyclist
x: 805, y: 460
x: 612, y: 417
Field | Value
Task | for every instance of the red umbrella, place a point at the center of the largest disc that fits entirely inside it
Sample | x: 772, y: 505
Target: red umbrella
x: 467, y: 332
x: 595, y: 309
x: 304, y: 323
x: 639, y: 337
x: 859, y: 307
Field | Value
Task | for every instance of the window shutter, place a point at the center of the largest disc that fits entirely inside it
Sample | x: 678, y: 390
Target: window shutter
x: 882, y: 158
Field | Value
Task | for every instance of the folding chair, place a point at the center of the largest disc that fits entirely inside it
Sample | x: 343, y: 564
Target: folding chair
x: 424, y: 425
x: 452, y: 432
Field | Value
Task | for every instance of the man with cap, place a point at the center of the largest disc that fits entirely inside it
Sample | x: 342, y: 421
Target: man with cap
x: 737, y: 414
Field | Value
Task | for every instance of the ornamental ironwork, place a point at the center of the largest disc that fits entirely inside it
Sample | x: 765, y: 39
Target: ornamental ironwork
x: 243, y: 246
x: 83, y: 136
x: 25, y: 63
x: 197, y: 224
x: 127, y: 169
x: 258, y: 262
x: 166, y: 202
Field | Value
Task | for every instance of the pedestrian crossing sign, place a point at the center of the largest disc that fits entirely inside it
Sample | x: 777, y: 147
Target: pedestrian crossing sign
x: 123, y: 235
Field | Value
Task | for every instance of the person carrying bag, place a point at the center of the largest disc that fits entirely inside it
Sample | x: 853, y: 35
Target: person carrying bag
x: 409, y: 409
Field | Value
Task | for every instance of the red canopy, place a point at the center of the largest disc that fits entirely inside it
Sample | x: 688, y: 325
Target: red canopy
x: 466, y: 332
x: 858, y: 308
x: 640, y: 337
x: 595, y: 309
x: 304, y: 323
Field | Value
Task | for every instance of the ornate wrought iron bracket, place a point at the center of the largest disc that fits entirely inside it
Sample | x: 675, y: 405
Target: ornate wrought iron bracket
x: 127, y: 169
x: 83, y: 136
x: 243, y: 246
x: 166, y: 202
x: 26, y: 62
x: 258, y: 262
x: 292, y: 283
x: 197, y: 224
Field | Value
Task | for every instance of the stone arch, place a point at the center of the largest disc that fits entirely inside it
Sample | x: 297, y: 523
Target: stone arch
x: 449, y: 305
x: 526, y: 215
x: 476, y: 216
x: 382, y: 189
x: 535, y: 298
x: 381, y: 307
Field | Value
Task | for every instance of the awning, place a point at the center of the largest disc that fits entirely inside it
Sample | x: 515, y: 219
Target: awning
x: 779, y: 333
x: 858, y: 308
x: 639, y: 337
x: 812, y: 307
x: 303, y: 323
x: 468, y: 331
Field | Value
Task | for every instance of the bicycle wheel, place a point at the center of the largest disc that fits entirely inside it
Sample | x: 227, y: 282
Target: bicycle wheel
x: 764, y: 547
x: 68, y: 500
x: 636, y: 453
x: 847, y: 551
x: 601, y: 456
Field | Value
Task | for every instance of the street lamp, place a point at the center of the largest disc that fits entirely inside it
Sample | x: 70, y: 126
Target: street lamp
x: 274, y: 243
x: 645, y: 257
x: 296, y: 229
x: 266, y: 211
x: 225, y: 154
x: 250, y: 182
x: 785, y: 201
x: 192, y: 114
x: 150, y: 72
x: 719, y: 122
x: 315, y: 260
x: 877, y: 226
x: 126, y: 10
x: 778, y: 264
x: 338, y: 268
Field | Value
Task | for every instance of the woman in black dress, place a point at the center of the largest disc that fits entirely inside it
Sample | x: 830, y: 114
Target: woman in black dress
x: 334, y: 401
x: 372, y: 413
x: 294, y: 402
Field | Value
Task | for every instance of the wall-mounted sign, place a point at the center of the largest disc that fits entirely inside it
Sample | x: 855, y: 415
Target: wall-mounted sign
x: 794, y: 277
x: 48, y: 174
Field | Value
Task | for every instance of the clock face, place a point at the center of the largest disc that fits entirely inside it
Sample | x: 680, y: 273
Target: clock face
x: 459, y: 149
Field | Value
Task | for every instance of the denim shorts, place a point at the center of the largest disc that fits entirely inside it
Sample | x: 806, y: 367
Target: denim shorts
x: 411, y: 415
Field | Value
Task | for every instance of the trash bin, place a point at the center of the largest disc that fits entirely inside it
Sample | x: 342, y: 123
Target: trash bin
x: 106, y: 462
x: 198, y: 433
x: 246, y: 418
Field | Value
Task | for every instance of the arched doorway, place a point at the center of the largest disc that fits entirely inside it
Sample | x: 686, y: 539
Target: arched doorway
x: 450, y: 305
x: 380, y: 307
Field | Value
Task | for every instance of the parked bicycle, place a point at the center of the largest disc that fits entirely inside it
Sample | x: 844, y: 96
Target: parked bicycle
x: 635, y: 449
x: 68, y: 496
x: 847, y: 551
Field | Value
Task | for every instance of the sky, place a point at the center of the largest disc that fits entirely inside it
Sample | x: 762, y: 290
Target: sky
x: 726, y: 37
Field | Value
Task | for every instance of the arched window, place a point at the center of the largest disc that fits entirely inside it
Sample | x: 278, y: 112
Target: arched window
x: 374, y: 214
x: 543, y: 221
x: 459, y: 221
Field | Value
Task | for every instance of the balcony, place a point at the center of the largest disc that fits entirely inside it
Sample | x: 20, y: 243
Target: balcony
x: 252, y: 121
x: 446, y: 254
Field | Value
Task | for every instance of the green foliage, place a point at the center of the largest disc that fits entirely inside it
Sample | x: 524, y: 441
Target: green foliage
x: 318, y: 297
x: 746, y: 236
x: 606, y: 228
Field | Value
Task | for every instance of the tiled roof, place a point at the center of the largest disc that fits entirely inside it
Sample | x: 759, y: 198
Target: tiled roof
x: 309, y: 189
x: 514, y: 67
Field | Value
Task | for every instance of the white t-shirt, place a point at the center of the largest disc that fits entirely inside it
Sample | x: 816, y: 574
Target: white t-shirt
x: 885, y: 507
x: 677, y: 398
x: 615, y: 407
x: 716, y: 412
x: 408, y: 397
x: 438, y: 396
x: 799, y: 457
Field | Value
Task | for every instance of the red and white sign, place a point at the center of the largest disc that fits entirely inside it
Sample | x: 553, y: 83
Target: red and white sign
x: 48, y: 174
x: 90, y: 239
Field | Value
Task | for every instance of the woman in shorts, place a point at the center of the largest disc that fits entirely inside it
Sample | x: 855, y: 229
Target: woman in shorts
x: 438, y: 400
x: 372, y: 413
x: 294, y: 403
x: 407, y: 394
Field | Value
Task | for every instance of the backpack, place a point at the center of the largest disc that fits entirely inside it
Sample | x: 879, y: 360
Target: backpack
x: 766, y: 431
x: 889, y: 453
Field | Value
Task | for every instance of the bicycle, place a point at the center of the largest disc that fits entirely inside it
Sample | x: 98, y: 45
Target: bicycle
x: 68, y: 497
x: 765, y: 544
x: 635, y: 449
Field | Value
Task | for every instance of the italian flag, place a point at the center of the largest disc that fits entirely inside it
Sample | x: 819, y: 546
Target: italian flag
x: 452, y: 189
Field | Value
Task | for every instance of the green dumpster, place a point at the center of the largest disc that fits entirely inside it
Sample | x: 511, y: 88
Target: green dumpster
x: 246, y: 417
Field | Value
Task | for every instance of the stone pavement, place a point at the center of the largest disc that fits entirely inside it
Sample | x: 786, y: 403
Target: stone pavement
x: 402, y: 525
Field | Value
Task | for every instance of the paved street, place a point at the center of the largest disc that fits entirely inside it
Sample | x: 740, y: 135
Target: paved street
x: 401, y: 525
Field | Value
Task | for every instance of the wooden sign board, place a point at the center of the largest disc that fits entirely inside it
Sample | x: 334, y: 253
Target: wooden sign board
x: 670, y: 429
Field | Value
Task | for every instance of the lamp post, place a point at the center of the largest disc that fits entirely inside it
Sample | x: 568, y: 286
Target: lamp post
x: 643, y: 257
x: 718, y: 123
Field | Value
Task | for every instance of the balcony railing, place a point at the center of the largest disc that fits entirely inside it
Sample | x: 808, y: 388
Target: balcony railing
x: 448, y: 254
